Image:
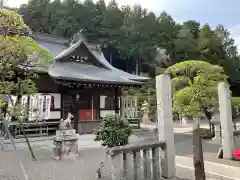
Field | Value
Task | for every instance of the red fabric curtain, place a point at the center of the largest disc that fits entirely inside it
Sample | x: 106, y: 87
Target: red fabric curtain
x: 86, y: 114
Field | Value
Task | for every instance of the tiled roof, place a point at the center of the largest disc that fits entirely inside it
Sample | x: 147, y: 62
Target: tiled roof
x: 87, y: 73
x: 59, y: 48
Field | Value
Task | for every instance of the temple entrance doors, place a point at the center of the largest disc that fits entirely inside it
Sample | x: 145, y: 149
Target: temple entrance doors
x: 87, y: 105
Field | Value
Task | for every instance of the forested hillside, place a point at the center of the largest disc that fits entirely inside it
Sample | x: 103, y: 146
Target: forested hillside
x: 135, y: 39
x: 130, y: 36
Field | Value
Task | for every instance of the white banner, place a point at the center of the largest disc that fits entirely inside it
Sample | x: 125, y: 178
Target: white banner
x: 23, y: 105
x: 33, y: 108
x: 10, y: 105
x: 40, y: 106
x: 47, y: 106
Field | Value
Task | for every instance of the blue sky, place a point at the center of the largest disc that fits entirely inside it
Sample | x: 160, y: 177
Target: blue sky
x: 214, y: 12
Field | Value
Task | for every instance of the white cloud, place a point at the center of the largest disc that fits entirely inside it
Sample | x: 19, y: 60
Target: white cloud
x: 15, y: 3
x: 235, y: 33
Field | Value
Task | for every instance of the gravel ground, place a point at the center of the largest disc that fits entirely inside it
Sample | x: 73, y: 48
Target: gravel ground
x: 18, y: 165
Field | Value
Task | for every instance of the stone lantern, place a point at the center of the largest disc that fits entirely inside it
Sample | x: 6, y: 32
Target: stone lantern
x: 145, y: 110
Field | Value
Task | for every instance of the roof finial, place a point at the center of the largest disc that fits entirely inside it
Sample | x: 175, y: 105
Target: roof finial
x: 77, y: 37
x: 99, y: 48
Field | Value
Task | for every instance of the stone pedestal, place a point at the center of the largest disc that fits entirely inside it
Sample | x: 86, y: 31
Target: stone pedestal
x: 65, y: 144
x: 145, y: 118
x: 184, y: 121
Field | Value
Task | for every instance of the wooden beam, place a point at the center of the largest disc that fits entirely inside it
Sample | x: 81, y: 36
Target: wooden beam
x: 198, y: 152
x: 135, y: 147
x: 75, y: 112
x: 98, y: 105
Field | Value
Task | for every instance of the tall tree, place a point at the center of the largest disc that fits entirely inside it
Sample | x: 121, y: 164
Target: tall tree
x: 227, y: 42
x: 195, y: 87
x: 130, y: 36
x: 210, y: 46
x: 193, y: 27
x: 186, y: 46
x: 36, y: 14
x: 20, y: 58
x: 167, y: 33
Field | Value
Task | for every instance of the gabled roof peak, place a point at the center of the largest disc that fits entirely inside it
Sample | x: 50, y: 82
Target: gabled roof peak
x: 76, y: 37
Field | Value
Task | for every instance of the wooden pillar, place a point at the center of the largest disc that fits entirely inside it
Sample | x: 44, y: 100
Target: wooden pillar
x: 62, y: 105
x: 75, y: 112
x: 116, y: 100
x: 127, y: 106
x: 98, y: 105
x: 121, y: 102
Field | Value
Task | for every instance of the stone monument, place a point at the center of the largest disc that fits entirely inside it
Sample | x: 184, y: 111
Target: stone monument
x: 145, y: 110
x: 225, y: 109
x: 165, y: 124
x: 65, y: 143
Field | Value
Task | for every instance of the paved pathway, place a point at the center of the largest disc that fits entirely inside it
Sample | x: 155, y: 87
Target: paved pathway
x: 218, y: 170
x: 183, y: 143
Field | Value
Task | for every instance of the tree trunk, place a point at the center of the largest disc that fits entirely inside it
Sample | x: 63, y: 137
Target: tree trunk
x: 137, y: 67
x: 208, y: 116
x: 21, y: 126
x: 27, y: 141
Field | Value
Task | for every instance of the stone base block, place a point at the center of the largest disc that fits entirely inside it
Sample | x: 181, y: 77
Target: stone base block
x: 65, y: 147
x: 65, y: 132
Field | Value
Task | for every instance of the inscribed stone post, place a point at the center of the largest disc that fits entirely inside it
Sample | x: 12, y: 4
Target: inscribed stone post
x: 226, y: 120
x: 165, y: 124
x: 117, y: 166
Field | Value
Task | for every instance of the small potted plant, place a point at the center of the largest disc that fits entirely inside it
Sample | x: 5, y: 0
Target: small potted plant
x: 113, y: 131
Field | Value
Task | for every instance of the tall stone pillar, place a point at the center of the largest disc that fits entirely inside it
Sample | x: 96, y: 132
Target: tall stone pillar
x: 165, y: 124
x: 226, y: 120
